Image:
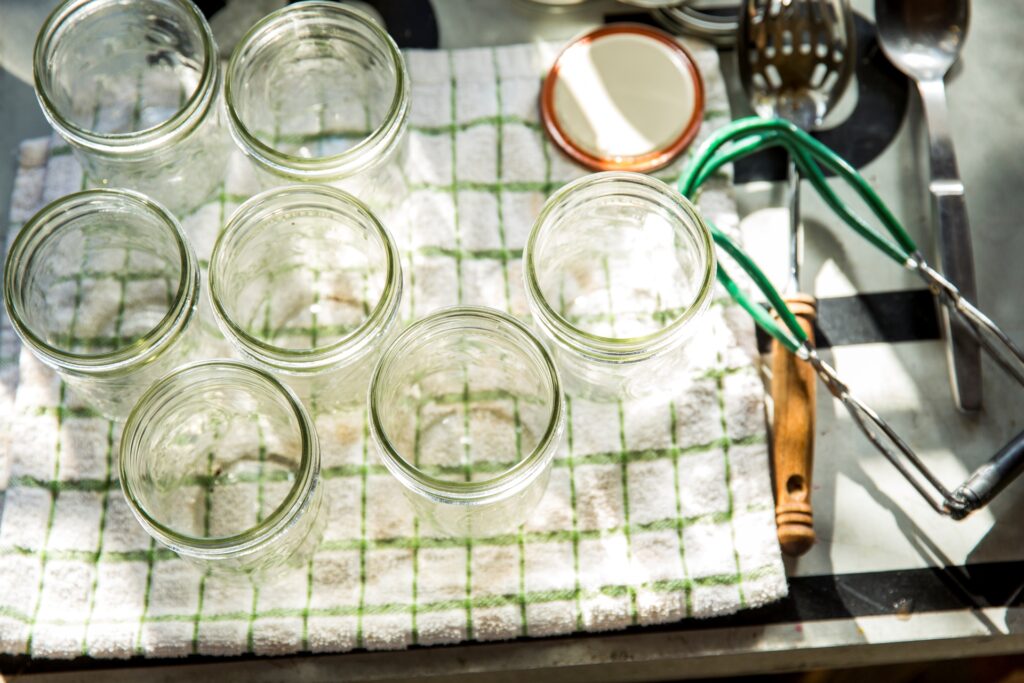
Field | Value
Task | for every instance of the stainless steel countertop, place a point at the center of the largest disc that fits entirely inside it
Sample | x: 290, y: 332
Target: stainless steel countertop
x: 867, y: 518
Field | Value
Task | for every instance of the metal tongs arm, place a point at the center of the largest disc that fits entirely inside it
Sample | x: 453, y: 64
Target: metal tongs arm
x: 991, y: 338
x: 885, y: 439
x: 790, y: 334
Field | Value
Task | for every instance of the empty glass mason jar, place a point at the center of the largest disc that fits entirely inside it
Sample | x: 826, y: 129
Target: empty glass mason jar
x: 618, y: 269
x: 134, y: 89
x: 103, y: 286
x: 220, y: 463
x: 466, y: 412
x: 318, y: 92
x: 306, y: 282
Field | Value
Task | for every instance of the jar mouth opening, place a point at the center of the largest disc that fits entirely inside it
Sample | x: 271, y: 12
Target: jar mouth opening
x: 502, y: 483
x: 249, y: 218
x: 649, y: 189
x: 39, y: 230
x: 197, y: 102
x: 209, y: 374
x: 334, y: 166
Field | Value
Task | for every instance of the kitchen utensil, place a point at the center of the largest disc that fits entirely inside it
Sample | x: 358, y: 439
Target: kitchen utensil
x: 745, y: 136
x: 923, y: 39
x: 795, y: 56
x: 795, y: 61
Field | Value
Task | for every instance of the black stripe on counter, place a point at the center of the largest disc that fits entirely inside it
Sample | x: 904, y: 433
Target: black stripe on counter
x: 412, y: 23
x: 886, y: 317
x: 902, y: 593
x: 627, y: 16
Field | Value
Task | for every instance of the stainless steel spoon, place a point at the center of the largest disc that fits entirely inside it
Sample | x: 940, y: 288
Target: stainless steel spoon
x: 923, y: 39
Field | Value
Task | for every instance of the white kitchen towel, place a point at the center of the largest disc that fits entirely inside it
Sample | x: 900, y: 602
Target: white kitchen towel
x: 657, y: 510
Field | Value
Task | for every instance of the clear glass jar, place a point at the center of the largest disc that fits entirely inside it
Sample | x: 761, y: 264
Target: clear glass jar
x: 466, y: 412
x: 618, y: 268
x: 134, y: 89
x: 103, y: 286
x: 220, y: 463
x: 306, y: 282
x: 318, y: 92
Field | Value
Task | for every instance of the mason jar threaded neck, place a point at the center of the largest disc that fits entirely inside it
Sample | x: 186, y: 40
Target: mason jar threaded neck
x: 63, y: 214
x: 264, y: 38
x: 643, y: 191
x: 179, y: 389
x: 256, y: 215
x: 192, y: 111
x: 418, y: 338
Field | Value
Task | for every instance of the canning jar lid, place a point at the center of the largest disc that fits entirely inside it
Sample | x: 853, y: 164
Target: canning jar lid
x: 624, y: 97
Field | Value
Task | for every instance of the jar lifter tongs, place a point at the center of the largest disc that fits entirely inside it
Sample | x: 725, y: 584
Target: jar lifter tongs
x: 747, y: 136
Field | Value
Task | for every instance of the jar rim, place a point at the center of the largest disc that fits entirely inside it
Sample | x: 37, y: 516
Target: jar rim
x: 335, y: 166
x: 317, y: 358
x: 180, y: 312
x: 196, y: 105
x: 504, y: 483
x: 272, y: 525
x: 619, y: 348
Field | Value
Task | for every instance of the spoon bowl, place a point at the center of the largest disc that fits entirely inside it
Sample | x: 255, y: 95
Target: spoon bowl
x: 923, y: 38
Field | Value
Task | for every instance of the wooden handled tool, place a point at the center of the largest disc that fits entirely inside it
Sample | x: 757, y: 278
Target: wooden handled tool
x: 793, y: 395
x: 801, y: 86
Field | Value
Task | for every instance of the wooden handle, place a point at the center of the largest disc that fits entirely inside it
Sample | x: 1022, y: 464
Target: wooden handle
x: 793, y: 391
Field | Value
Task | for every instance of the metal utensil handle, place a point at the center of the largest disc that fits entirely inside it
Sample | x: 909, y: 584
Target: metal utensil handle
x: 793, y: 180
x: 992, y: 477
x: 953, y: 236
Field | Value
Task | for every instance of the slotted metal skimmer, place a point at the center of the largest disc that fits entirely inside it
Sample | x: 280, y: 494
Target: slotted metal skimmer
x: 795, y: 57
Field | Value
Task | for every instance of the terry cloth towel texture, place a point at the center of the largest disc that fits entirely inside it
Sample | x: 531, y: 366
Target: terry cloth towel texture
x: 656, y: 510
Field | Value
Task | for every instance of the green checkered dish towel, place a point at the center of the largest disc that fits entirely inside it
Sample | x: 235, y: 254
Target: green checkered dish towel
x: 656, y: 510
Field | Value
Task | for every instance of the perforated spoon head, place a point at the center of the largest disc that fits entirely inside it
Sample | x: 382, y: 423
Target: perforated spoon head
x: 796, y: 57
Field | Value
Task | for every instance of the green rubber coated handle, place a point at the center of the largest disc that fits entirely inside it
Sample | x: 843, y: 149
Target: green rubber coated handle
x: 749, y: 135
